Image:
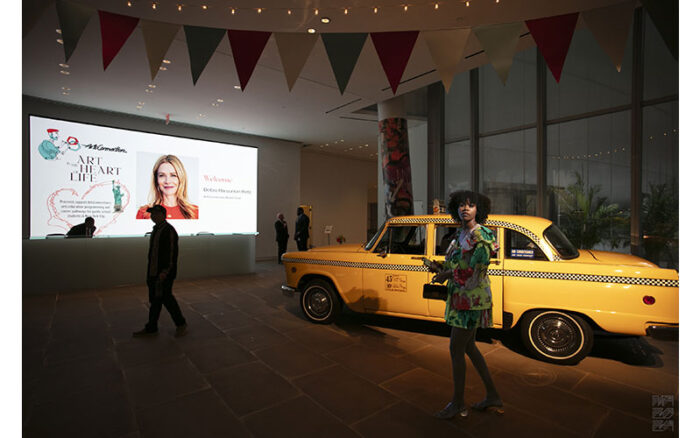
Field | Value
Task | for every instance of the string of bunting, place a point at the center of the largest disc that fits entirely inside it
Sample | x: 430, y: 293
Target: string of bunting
x: 552, y: 35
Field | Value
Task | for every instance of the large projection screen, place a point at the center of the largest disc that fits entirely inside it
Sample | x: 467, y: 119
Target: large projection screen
x: 113, y: 175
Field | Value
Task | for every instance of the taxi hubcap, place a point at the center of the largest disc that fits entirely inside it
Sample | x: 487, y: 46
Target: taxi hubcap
x: 557, y: 336
x: 317, y: 302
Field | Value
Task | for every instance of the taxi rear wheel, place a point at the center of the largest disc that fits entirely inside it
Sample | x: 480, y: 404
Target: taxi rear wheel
x: 557, y: 337
x: 320, y: 302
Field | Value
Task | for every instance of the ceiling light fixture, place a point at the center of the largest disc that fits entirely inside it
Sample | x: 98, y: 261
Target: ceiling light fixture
x: 220, y: 100
x: 153, y: 5
x: 161, y: 68
x: 204, y: 7
x: 376, y: 10
x: 311, y: 30
x: 63, y: 72
x: 466, y: 3
x: 259, y: 10
x: 345, y: 11
x: 151, y: 86
x: 58, y: 31
x: 128, y: 4
x: 289, y: 12
x: 140, y: 103
x: 65, y: 93
x: 237, y: 87
x: 59, y: 41
x: 315, y: 11
x: 233, y: 11
x: 436, y: 6
x: 166, y: 61
x: 325, y: 20
x: 65, y: 88
x: 64, y: 65
x: 405, y: 8
x: 179, y: 8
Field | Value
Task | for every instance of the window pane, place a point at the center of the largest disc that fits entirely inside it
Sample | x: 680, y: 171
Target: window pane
x: 511, y: 105
x: 443, y: 236
x: 457, y: 109
x: 522, y: 247
x: 660, y: 68
x: 589, y: 80
x: 458, y: 168
x: 588, y: 179
x: 509, y: 171
x: 406, y: 239
x: 660, y: 184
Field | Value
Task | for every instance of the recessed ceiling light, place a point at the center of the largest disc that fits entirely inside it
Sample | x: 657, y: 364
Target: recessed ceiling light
x: 311, y: 30
x: 214, y: 104
x: 59, y: 41
x: 237, y: 87
x: 325, y: 20
x: 65, y: 88
x: 58, y: 31
x: 161, y: 68
x: 140, y: 103
x: 139, y: 107
x: 165, y: 61
x: 63, y: 72
x: 341, y: 140
x: 65, y: 93
x: 201, y: 115
x: 151, y: 85
x: 220, y: 100
x: 64, y: 65
x: 148, y: 90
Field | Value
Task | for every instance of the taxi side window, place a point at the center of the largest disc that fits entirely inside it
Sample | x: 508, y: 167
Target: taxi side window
x: 445, y: 234
x: 519, y: 246
x: 403, y: 239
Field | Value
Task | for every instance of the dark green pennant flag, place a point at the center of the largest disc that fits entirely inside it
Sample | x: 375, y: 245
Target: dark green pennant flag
x: 664, y: 14
x: 201, y: 44
x: 72, y: 19
x: 343, y: 49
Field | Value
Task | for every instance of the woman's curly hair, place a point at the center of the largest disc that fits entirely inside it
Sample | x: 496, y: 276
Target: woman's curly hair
x: 483, y: 204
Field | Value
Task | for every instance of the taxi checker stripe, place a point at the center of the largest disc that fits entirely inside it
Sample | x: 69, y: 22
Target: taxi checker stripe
x: 507, y: 272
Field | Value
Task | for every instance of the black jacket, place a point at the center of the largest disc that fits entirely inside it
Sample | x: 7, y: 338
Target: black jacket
x: 167, y: 247
x: 281, y: 233
x: 301, y: 228
x: 79, y: 231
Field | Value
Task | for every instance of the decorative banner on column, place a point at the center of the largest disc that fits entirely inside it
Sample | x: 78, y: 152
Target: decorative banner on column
x: 664, y: 14
x: 396, y: 167
x: 158, y: 37
x: 610, y: 27
x: 499, y: 43
x: 247, y: 46
x: 394, y: 50
x: 553, y: 37
x: 447, y: 49
x: 32, y: 10
x: 294, y: 49
x: 115, y: 30
x: 72, y: 19
x: 201, y: 44
x: 343, y: 49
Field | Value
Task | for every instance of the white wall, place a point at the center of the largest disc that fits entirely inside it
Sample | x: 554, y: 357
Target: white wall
x: 337, y: 189
x: 418, y: 154
x: 278, y: 177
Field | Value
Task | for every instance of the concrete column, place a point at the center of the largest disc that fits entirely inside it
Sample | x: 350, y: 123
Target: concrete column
x: 395, y: 158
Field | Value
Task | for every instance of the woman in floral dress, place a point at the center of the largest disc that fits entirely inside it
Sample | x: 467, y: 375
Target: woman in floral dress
x: 468, y: 304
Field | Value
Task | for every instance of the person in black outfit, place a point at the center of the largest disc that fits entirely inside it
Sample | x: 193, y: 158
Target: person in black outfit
x: 86, y: 229
x: 281, y: 236
x: 162, y: 268
x: 301, y: 230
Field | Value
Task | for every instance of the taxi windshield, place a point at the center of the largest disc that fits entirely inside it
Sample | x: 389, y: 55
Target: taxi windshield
x: 374, y: 238
x: 558, y: 240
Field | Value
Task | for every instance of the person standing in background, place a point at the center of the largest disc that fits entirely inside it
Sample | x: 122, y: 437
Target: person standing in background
x: 86, y: 229
x: 301, y: 230
x: 281, y: 236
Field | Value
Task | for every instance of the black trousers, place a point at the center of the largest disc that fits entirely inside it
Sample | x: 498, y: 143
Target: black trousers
x: 161, y: 298
x: 281, y: 249
x: 302, y: 244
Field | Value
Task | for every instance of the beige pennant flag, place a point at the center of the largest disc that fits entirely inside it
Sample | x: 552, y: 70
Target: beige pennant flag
x: 447, y: 49
x: 158, y: 36
x: 294, y: 49
x: 499, y: 41
x: 610, y: 27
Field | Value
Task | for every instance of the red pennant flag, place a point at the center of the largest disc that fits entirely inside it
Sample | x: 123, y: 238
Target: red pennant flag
x: 115, y: 31
x: 247, y: 46
x: 394, y: 50
x: 553, y: 37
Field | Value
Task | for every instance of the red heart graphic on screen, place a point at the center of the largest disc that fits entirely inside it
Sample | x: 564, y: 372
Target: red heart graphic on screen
x: 98, y: 202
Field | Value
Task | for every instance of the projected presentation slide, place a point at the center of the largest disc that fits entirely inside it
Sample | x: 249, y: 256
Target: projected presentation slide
x: 113, y: 175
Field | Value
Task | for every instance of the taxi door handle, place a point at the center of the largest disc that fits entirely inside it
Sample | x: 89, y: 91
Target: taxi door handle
x: 495, y: 262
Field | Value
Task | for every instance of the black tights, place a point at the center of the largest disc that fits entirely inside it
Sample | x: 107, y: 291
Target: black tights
x: 464, y: 341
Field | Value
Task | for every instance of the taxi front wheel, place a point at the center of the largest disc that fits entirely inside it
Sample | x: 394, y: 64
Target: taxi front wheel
x: 556, y: 337
x: 319, y: 302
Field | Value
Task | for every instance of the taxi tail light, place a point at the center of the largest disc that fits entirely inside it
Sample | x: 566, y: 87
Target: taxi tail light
x: 648, y: 299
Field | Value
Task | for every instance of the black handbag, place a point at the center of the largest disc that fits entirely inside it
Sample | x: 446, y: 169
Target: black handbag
x: 435, y: 292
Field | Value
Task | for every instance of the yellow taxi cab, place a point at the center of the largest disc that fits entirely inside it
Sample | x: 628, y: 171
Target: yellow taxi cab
x: 556, y: 294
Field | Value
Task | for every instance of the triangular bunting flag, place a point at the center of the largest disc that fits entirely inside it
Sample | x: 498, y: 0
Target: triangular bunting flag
x: 553, y: 37
x: 157, y: 36
x: 447, y: 49
x: 664, y: 14
x: 201, y: 44
x: 394, y: 50
x: 499, y: 42
x: 610, y: 27
x: 294, y: 49
x: 343, y: 49
x: 247, y: 46
x: 32, y: 10
x: 72, y: 19
x: 115, y: 30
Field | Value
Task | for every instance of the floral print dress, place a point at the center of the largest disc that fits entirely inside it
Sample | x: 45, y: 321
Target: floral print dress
x: 469, y: 290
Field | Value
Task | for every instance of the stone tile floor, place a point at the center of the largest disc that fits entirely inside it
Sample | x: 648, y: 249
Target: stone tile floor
x: 251, y: 365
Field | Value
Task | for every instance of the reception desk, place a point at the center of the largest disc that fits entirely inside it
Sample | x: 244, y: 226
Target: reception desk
x: 59, y: 265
